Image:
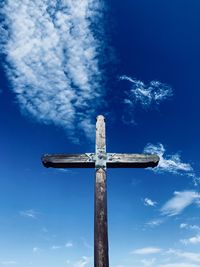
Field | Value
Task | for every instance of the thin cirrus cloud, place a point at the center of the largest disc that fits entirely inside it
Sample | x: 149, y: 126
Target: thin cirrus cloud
x: 69, y: 245
x: 168, y: 257
x: 179, y: 202
x: 189, y: 227
x: 36, y: 250
x: 175, y: 206
x: 146, y: 94
x: 183, y: 264
x: 55, y: 62
x: 149, y: 202
x: 171, y: 163
x: 31, y: 214
x: 191, y: 256
x: 192, y: 240
x: 146, y: 251
x: 8, y: 263
x: 83, y: 262
x: 53, y: 59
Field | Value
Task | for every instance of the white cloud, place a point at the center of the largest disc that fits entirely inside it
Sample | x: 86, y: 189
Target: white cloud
x: 179, y: 202
x: 189, y: 227
x: 55, y: 247
x: 69, y: 245
x: 155, y: 222
x: 55, y: 59
x: 32, y: 214
x: 171, y: 163
x: 179, y: 265
x: 146, y: 251
x: 148, y: 262
x: 191, y: 256
x: 36, y: 249
x: 183, y: 225
x: 149, y: 202
x: 170, y: 257
x: 192, y: 240
x: 146, y: 94
x: 83, y: 262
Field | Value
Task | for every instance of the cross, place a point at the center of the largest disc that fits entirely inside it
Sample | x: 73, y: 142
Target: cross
x: 100, y: 160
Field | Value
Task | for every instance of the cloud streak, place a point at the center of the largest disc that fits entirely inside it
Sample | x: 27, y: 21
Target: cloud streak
x: 171, y: 163
x: 179, y: 202
x: 53, y: 55
x: 31, y: 214
x: 149, y: 202
x: 175, y: 206
x: 83, y: 262
x: 192, y: 240
x: 146, y: 251
x: 146, y: 94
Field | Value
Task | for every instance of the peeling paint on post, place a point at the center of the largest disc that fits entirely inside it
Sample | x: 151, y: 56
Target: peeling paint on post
x: 101, y: 257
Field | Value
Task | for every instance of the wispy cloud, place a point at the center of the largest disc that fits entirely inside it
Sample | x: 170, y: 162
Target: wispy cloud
x: 8, y: 263
x: 179, y: 202
x: 189, y: 227
x: 178, y: 264
x: 83, y: 262
x: 172, y: 258
x: 149, y: 202
x: 171, y: 163
x: 192, y: 240
x: 36, y: 249
x: 32, y: 214
x: 55, y: 247
x: 175, y: 206
x: 145, y: 95
x: 146, y: 251
x: 69, y: 245
x: 148, y: 262
x: 185, y: 255
x: 155, y: 222
x: 54, y: 54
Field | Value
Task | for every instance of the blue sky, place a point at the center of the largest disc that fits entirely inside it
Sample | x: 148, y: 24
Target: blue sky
x: 62, y: 64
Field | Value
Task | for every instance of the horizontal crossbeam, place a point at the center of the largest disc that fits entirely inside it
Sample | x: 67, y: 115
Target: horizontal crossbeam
x: 113, y: 160
x: 132, y: 160
x: 68, y: 161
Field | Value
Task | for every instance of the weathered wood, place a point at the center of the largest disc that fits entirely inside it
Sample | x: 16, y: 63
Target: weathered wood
x: 69, y: 160
x: 101, y: 258
x: 100, y: 134
x: 100, y: 160
x: 113, y: 160
x: 131, y: 160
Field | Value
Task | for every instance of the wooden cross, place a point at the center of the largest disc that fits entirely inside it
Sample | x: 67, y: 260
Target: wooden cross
x: 100, y: 160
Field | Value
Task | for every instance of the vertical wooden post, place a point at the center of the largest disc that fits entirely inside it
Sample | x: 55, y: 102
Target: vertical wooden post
x: 101, y: 258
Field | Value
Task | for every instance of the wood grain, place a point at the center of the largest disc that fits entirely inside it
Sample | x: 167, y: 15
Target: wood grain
x: 101, y: 258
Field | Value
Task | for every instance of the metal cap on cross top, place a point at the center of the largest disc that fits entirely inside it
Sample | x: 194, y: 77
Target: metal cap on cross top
x: 100, y: 160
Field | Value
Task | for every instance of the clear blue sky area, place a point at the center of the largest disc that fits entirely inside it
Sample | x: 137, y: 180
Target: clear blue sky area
x: 62, y: 64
